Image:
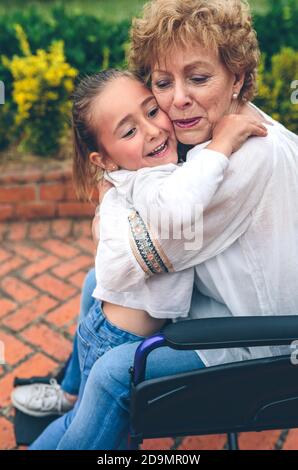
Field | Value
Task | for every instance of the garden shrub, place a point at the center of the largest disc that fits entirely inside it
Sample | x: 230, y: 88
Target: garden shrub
x: 90, y: 44
x: 275, y: 88
x: 42, y: 84
x: 278, y: 28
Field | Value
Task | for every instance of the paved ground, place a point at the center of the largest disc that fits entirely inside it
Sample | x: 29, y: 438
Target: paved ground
x: 42, y: 267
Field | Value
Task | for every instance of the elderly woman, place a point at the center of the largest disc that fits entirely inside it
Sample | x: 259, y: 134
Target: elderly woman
x: 200, y: 58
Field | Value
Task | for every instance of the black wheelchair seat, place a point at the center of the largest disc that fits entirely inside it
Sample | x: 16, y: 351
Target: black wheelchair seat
x: 253, y: 395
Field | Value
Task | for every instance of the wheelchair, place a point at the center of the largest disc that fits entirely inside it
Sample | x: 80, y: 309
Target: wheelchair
x: 254, y: 395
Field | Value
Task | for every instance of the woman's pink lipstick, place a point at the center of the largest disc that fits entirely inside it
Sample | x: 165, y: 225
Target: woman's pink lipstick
x: 186, y: 123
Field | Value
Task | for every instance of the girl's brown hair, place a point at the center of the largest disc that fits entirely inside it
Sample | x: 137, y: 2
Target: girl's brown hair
x: 85, y: 136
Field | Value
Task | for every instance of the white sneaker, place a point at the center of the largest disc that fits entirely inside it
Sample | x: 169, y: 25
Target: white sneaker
x: 41, y: 399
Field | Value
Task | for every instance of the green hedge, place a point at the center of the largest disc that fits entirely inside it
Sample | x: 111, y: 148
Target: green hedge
x: 86, y: 38
x: 278, y: 28
x: 275, y: 88
x: 91, y: 43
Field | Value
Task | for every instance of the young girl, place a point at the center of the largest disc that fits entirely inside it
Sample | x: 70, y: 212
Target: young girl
x: 119, y: 128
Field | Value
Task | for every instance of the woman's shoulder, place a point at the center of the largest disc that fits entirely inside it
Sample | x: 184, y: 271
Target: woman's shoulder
x: 263, y: 147
x: 261, y: 157
x: 255, y: 160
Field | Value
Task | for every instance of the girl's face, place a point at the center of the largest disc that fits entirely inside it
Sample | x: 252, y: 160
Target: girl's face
x: 132, y: 130
x: 195, y: 89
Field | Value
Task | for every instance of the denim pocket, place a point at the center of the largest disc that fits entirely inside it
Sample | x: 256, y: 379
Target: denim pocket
x: 92, y: 340
x: 83, y: 347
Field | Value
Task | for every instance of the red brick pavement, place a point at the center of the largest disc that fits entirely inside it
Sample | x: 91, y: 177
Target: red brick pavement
x: 42, y: 266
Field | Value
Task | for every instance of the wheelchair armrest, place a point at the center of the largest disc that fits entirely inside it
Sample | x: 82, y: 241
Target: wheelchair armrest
x: 220, y: 332
x: 232, y: 332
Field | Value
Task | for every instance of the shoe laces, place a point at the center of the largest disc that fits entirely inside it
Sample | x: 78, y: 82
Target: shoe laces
x: 48, y: 396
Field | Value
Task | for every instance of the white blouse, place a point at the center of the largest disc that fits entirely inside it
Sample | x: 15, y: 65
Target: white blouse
x: 247, y: 263
x: 156, y: 194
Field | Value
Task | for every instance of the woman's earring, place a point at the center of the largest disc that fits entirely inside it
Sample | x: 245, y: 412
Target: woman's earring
x: 235, y: 96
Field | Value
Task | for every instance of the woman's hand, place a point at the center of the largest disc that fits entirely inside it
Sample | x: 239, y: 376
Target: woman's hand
x: 233, y: 130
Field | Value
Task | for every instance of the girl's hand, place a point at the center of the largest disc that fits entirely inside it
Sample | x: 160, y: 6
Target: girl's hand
x: 233, y: 130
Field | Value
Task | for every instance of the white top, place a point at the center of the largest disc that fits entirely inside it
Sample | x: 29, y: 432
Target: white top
x: 247, y: 264
x: 156, y: 193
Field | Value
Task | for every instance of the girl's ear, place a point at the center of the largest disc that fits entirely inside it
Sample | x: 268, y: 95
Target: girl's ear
x: 98, y: 159
x: 104, y: 162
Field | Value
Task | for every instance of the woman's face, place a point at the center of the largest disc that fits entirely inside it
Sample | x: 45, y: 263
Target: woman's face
x: 195, y: 89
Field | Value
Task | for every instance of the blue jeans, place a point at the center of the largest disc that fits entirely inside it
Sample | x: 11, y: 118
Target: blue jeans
x: 72, y: 377
x: 96, y: 336
x: 100, y: 418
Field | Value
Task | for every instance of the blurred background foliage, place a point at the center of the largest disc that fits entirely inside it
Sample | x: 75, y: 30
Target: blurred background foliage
x: 93, y: 34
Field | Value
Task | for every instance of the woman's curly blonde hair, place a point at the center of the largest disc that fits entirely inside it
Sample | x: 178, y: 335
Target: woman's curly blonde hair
x: 225, y: 26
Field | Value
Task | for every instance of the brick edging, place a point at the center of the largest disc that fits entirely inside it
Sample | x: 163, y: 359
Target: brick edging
x: 40, y: 191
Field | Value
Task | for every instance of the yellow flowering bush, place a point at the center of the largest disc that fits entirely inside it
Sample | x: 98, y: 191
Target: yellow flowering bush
x: 42, y: 84
x: 275, y: 91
